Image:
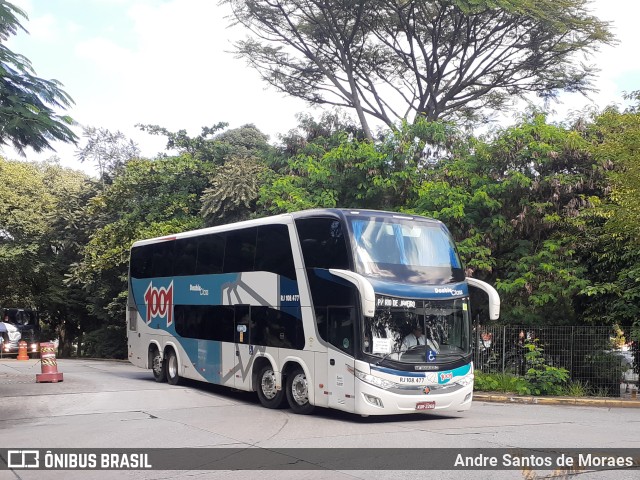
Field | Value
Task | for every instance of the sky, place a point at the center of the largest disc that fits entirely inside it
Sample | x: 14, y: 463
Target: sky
x: 168, y: 63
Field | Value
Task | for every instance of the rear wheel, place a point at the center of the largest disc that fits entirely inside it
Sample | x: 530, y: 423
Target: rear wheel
x: 173, y: 377
x: 158, y: 367
x: 268, y: 394
x: 298, y: 392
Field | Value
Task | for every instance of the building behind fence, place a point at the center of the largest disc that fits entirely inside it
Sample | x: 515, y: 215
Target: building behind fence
x: 597, y: 356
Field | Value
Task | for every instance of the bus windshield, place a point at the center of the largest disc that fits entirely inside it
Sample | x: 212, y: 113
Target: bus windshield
x: 406, y: 251
x: 420, y: 331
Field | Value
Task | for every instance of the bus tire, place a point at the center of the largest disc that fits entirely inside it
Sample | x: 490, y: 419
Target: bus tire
x: 269, y: 396
x: 298, y: 392
x: 173, y: 377
x: 158, y: 367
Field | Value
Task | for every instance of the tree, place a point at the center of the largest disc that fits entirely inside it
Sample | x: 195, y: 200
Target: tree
x: 201, y: 148
x: 611, y: 247
x: 516, y: 204
x: 214, y: 145
x: 439, y: 59
x: 233, y: 190
x: 107, y: 150
x: 146, y: 199
x: 43, y: 226
x: 27, y: 102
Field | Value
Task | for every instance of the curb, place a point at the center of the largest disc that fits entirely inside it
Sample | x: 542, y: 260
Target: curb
x: 570, y: 401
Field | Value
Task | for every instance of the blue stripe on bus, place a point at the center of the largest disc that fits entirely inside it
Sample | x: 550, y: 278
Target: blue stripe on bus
x: 205, y: 357
x: 423, y: 292
x: 403, y: 290
x: 208, y: 290
x: 444, y: 376
x: 400, y: 373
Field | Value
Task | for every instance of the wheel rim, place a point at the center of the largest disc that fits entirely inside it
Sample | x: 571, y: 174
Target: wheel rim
x: 299, y: 389
x: 173, y: 366
x: 268, y: 384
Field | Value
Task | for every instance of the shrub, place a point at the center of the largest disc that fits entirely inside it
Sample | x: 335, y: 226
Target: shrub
x: 501, y: 382
x: 109, y: 341
x: 543, y: 379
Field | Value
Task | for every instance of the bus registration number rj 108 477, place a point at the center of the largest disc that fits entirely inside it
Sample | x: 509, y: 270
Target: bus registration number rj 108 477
x: 425, y: 406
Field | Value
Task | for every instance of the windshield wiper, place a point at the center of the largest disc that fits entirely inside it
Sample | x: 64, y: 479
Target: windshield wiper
x: 388, y: 355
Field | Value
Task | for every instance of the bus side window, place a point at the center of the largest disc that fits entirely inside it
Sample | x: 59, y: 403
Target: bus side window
x: 323, y: 243
x: 185, y: 256
x: 340, y: 326
x: 273, y: 251
x: 141, y: 262
x: 240, y: 250
x: 162, y: 259
x: 321, y: 322
x: 210, y: 254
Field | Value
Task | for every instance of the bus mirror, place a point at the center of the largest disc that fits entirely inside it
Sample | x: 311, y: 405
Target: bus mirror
x: 367, y: 294
x: 494, y: 298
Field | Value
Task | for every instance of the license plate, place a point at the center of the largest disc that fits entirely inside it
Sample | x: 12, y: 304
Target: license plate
x: 425, y: 406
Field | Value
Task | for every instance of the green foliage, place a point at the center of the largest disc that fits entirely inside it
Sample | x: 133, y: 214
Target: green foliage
x: 107, y: 151
x: 610, y: 249
x: 27, y: 102
x: 148, y: 199
x: 514, y: 203
x: 201, y: 147
x: 214, y: 145
x: 233, y: 191
x: 501, y: 382
x: 577, y: 388
x: 543, y: 379
x: 42, y: 229
x: 108, y: 341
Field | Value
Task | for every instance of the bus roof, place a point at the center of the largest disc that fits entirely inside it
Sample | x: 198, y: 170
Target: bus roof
x: 286, y: 218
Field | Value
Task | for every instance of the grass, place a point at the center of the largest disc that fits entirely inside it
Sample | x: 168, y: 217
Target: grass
x: 577, y: 388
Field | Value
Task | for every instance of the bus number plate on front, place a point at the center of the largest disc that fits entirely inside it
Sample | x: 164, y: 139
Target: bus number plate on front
x: 425, y: 406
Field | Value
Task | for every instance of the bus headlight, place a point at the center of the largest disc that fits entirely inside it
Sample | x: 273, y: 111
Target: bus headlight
x: 375, y: 381
x: 466, y: 381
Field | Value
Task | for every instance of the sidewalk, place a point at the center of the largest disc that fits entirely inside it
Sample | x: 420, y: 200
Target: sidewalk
x: 571, y: 401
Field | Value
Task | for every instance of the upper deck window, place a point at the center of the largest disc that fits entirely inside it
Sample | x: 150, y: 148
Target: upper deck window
x: 404, y: 250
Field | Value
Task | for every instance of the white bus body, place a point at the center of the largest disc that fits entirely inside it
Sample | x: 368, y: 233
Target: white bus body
x: 311, y: 309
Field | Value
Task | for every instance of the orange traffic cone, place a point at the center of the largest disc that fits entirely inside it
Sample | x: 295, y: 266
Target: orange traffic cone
x: 49, y: 365
x: 22, y: 350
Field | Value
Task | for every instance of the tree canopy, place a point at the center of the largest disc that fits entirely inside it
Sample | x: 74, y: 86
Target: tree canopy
x: 28, y: 103
x: 438, y: 59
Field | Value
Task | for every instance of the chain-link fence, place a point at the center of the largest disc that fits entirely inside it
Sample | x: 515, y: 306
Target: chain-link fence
x: 598, y: 358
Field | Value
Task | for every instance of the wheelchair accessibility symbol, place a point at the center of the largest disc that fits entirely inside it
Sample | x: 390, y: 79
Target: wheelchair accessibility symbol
x: 431, y: 356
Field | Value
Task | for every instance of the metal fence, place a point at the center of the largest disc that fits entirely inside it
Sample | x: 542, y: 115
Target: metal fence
x: 596, y: 358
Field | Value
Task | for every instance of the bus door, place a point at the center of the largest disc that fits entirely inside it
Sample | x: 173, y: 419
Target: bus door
x: 340, y: 330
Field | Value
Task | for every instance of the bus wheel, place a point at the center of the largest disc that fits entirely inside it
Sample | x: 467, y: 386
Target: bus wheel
x: 269, y: 396
x: 158, y: 367
x: 172, y: 368
x: 298, y: 392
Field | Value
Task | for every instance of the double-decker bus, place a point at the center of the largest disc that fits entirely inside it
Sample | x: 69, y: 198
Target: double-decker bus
x: 313, y: 308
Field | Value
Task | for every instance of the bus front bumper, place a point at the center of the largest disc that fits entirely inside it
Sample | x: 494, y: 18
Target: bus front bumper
x: 372, y: 400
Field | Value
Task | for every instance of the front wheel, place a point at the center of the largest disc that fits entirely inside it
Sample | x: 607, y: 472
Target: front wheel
x: 268, y: 394
x: 172, y: 368
x: 298, y: 392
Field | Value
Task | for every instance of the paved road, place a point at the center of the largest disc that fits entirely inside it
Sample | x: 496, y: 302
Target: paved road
x: 104, y: 404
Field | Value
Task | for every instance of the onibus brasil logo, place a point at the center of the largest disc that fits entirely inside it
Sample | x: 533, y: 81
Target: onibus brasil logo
x: 159, y: 302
